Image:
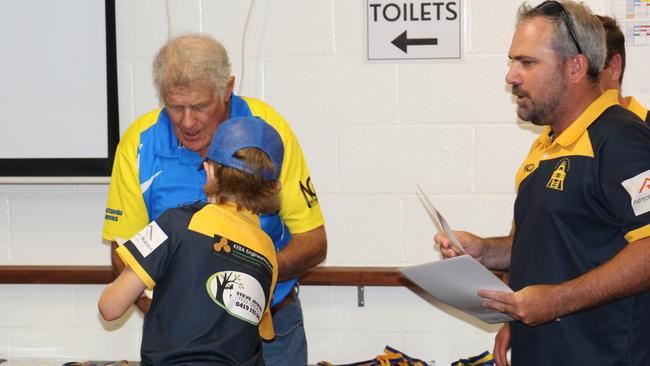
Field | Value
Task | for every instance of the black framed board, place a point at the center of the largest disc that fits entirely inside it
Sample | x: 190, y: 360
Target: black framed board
x: 58, y: 95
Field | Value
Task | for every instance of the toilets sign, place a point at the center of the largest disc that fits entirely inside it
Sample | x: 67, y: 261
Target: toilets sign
x: 413, y: 30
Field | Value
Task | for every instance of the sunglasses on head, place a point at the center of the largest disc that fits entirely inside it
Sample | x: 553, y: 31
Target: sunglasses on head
x: 553, y: 9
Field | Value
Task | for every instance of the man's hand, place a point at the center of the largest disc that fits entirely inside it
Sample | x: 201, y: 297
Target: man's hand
x: 472, y: 244
x: 532, y: 305
x: 502, y: 345
x: 626, y: 274
x: 493, y: 253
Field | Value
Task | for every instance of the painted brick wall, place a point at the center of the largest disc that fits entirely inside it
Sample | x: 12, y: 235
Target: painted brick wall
x: 368, y: 131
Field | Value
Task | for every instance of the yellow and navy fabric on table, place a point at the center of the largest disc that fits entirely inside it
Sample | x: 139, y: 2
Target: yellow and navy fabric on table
x: 484, y: 359
x: 391, y: 357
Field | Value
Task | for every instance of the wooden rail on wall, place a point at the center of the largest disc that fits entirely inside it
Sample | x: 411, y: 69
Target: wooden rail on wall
x: 323, y: 276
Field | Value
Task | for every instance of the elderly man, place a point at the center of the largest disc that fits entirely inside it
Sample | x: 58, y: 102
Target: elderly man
x: 579, y: 255
x: 155, y: 169
x: 612, y: 75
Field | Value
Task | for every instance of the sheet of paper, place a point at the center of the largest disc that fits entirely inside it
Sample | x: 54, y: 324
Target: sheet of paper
x: 455, y: 281
x: 439, y: 221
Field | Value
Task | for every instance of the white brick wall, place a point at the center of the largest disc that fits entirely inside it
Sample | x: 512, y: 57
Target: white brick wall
x: 368, y: 131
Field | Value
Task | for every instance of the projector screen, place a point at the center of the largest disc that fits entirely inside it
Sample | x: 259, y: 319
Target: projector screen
x: 59, y: 90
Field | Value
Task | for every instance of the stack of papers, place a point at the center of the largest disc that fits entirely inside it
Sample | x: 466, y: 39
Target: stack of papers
x: 455, y: 282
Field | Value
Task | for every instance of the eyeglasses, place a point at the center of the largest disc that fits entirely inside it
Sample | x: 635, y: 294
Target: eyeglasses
x: 553, y: 9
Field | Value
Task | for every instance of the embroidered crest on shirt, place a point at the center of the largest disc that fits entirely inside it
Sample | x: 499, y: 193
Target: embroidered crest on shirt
x: 638, y: 188
x: 559, y: 174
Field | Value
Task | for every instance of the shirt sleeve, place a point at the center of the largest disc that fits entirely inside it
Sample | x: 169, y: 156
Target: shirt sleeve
x: 299, y: 206
x: 150, y: 251
x: 125, y: 212
x: 624, y: 168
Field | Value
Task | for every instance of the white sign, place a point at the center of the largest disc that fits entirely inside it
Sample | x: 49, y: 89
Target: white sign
x: 413, y: 30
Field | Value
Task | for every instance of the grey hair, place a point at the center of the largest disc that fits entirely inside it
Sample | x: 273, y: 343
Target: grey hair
x: 589, y: 32
x: 189, y: 61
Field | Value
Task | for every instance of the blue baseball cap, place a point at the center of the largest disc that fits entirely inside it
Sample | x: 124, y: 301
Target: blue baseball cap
x: 245, y: 132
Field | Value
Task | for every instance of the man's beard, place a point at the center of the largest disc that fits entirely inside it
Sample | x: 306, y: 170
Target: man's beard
x: 541, y: 112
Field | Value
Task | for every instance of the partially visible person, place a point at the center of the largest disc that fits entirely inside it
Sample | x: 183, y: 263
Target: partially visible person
x: 612, y: 75
x: 213, y: 268
x: 580, y: 243
x: 154, y: 170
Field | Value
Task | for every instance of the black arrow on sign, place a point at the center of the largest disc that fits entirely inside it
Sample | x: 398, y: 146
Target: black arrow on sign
x: 402, y: 41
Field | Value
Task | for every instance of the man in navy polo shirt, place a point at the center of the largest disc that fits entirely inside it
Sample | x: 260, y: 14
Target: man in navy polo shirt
x: 579, y: 251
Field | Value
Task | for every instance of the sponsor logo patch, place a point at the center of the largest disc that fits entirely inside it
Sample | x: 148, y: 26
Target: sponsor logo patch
x: 308, y: 192
x: 221, y: 243
x: 639, y: 190
x: 112, y: 214
x: 242, y: 255
x: 149, y: 238
x: 240, y: 294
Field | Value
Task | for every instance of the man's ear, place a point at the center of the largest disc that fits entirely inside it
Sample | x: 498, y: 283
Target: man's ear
x: 578, y: 67
x: 229, y: 88
x: 278, y: 185
x: 615, y: 64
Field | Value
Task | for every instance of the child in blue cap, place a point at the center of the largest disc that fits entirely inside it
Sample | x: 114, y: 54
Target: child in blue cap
x: 212, y: 267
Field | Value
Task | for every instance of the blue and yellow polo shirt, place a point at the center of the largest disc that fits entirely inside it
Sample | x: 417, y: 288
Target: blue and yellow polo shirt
x: 583, y: 196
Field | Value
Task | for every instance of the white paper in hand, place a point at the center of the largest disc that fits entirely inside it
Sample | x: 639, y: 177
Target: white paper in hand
x: 439, y: 221
x: 456, y: 281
